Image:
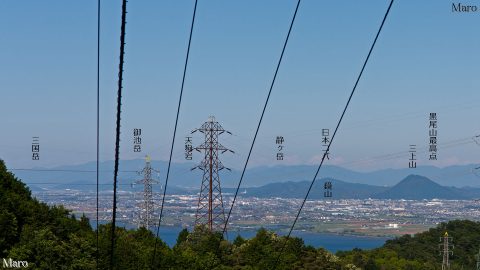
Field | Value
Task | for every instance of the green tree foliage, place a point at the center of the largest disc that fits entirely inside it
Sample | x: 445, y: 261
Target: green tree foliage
x: 422, y: 251
x: 182, y: 236
x: 9, y: 230
x: 239, y: 240
x: 50, y: 237
x: 44, y: 250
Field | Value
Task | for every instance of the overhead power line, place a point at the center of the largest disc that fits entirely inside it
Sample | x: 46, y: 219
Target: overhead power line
x: 98, y: 129
x: 117, y: 132
x: 61, y: 170
x: 261, y: 117
x: 335, y: 132
x: 75, y: 184
x: 174, y: 132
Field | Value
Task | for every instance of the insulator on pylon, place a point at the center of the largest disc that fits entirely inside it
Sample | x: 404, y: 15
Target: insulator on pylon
x: 146, y: 208
x: 210, y: 210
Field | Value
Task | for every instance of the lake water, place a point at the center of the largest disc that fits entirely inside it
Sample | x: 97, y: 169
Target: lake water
x: 331, y: 242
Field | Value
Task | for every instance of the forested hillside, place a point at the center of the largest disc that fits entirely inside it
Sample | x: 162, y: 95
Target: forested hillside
x: 52, y: 238
x: 422, y: 251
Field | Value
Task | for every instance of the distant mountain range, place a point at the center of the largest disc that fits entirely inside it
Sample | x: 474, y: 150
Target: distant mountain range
x: 419, y: 187
x: 451, y: 181
x: 341, y: 190
x: 413, y: 187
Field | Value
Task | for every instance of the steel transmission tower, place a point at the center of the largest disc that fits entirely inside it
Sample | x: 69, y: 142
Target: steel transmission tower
x: 446, y: 250
x: 146, y: 207
x: 210, y: 210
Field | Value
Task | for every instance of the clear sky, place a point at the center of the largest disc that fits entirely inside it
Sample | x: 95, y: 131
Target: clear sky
x: 427, y: 59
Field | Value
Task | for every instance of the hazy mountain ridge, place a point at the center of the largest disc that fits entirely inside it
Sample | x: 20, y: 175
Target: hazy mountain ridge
x: 341, y: 190
x: 420, y: 187
x: 256, y: 180
x: 413, y: 187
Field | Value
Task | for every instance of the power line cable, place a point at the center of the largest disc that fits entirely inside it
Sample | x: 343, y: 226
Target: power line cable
x: 70, y: 184
x: 388, y: 156
x: 98, y: 126
x: 334, y: 133
x: 174, y: 132
x: 381, y: 157
x: 60, y: 170
x: 261, y: 117
x: 117, y: 131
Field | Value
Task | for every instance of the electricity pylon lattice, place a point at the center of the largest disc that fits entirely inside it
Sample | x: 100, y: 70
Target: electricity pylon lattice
x: 146, y: 207
x: 210, y: 211
x: 446, y: 249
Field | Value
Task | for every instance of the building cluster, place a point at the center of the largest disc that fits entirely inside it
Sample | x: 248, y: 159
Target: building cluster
x: 252, y: 212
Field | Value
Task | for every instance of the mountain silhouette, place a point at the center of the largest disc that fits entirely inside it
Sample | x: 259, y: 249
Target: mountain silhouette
x: 419, y: 187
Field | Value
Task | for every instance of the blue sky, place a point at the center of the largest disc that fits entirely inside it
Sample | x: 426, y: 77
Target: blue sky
x: 426, y: 60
